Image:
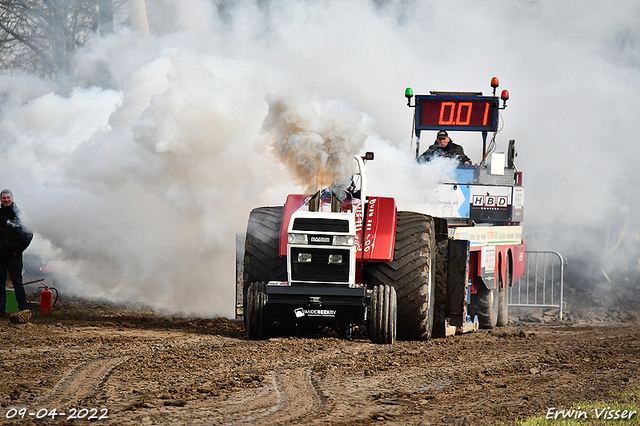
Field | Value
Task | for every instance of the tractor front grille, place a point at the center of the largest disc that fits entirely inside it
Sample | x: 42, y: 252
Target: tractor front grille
x: 320, y: 225
x: 319, y: 269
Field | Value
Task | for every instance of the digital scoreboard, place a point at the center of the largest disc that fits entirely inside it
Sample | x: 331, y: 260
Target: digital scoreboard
x: 456, y: 112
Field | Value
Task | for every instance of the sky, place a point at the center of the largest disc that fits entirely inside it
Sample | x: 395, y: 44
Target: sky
x: 137, y: 177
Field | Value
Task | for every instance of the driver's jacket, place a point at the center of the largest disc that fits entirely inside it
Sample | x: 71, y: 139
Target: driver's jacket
x: 452, y: 150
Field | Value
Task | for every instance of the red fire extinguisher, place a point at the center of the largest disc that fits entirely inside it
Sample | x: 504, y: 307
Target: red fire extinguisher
x: 46, y: 299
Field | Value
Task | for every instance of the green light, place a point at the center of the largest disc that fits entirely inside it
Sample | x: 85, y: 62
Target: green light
x: 408, y: 93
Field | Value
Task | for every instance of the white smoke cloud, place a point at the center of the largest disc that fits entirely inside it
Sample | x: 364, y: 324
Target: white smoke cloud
x: 140, y: 174
x: 395, y: 173
x: 141, y: 190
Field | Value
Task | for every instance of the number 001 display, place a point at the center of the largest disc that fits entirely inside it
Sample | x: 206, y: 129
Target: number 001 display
x: 474, y: 114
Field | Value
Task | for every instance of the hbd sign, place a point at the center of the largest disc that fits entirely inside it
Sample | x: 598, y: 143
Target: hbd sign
x: 490, y: 201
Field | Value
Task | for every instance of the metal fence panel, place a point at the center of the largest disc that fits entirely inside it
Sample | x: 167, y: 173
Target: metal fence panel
x: 542, y: 284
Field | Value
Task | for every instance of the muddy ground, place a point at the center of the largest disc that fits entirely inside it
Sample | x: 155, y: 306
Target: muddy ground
x: 139, y: 367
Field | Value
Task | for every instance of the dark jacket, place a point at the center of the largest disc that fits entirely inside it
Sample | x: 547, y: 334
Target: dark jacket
x: 14, y: 237
x: 452, y: 150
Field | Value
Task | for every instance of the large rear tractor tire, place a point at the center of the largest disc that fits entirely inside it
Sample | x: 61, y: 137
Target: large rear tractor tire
x: 411, y: 273
x: 384, y: 314
x: 262, y: 261
x: 254, y: 317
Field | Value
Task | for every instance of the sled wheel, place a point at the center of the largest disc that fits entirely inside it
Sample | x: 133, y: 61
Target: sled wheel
x: 503, y: 295
x: 485, y: 305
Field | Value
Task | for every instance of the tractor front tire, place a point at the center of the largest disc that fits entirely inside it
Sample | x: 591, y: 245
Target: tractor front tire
x: 384, y: 313
x: 411, y: 273
x: 255, y: 320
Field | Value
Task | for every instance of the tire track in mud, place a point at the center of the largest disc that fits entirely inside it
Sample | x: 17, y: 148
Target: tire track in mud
x: 81, y: 382
x: 292, y: 397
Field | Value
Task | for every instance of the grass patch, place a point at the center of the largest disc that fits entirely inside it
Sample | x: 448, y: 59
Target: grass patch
x: 587, y: 413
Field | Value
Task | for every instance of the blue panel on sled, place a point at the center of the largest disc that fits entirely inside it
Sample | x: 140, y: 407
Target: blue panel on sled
x: 464, y: 209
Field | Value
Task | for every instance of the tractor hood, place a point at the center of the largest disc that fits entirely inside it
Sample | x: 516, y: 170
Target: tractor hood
x: 373, y: 223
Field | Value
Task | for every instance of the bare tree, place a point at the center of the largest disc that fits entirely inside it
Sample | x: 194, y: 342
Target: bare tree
x: 42, y: 35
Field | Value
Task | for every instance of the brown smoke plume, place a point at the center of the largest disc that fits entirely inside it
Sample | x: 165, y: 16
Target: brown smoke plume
x: 316, y: 139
